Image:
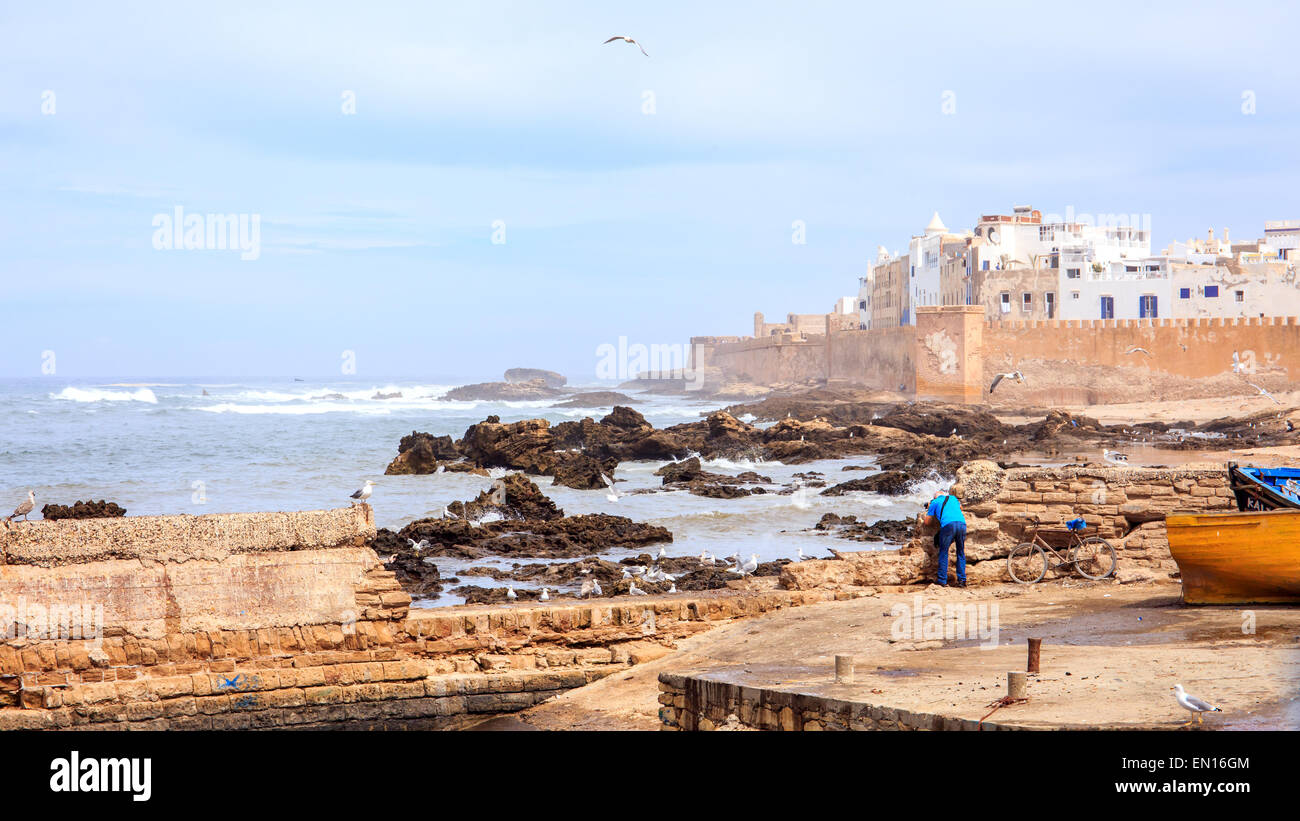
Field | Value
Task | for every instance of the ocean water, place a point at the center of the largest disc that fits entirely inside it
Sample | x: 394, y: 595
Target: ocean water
x: 160, y: 446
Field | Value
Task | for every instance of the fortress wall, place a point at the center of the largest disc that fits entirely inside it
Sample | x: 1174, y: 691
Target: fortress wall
x: 1194, y: 348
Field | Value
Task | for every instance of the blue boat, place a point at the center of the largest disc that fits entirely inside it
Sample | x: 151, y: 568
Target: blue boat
x: 1265, y: 488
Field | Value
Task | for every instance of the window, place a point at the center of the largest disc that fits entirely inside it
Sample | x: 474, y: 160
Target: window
x: 1050, y: 298
x: 862, y: 304
x: 1108, y: 307
x: 1074, y: 295
x: 1211, y: 291
x: 1006, y: 302
x: 1184, y: 293
x: 984, y: 265
x: 1241, y: 296
x: 1147, y: 306
x: 1026, y: 302
x: 1072, y: 273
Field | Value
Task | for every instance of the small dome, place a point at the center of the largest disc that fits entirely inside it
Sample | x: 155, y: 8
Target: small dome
x: 936, y: 226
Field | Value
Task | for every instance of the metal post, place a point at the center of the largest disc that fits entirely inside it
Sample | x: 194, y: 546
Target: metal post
x: 1035, y: 649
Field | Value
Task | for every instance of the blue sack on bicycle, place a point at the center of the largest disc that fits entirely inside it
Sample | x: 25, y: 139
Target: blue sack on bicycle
x: 1076, y: 524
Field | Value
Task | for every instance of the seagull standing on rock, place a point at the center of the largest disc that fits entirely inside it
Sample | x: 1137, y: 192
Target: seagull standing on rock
x: 364, y: 493
x: 546, y: 594
x: 511, y: 594
x: 636, y: 591
x: 1193, y: 704
x: 24, y: 508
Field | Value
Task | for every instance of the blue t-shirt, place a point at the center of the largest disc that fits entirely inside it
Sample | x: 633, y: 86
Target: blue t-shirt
x: 951, y: 510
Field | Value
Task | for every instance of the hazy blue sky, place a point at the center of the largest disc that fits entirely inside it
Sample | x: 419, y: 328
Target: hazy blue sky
x: 376, y: 228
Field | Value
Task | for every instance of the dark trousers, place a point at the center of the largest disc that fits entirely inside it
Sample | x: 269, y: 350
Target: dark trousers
x: 952, y: 533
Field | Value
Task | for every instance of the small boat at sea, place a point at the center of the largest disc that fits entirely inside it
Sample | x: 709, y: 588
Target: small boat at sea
x: 1265, y: 488
x: 1248, y: 557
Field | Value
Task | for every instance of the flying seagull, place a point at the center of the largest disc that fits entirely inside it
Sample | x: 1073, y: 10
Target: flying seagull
x: 1263, y: 392
x: 364, y: 493
x: 1137, y: 350
x: 24, y: 508
x: 1193, y: 704
x: 613, y: 491
x: 625, y: 39
x: 418, y: 546
x: 1016, y: 375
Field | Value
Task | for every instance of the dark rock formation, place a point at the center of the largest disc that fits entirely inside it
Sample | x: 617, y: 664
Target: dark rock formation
x: 83, y: 510
x: 504, y: 391
x: 596, y: 399
x: 550, y: 379
x: 887, y: 483
x: 420, y: 453
x: 416, y: 571
x: 889, y: 531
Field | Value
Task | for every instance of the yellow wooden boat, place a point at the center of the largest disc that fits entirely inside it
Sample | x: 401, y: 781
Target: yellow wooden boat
x: 1237, y: 558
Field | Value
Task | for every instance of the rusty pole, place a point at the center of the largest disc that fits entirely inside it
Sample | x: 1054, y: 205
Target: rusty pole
x: 1035, y: 648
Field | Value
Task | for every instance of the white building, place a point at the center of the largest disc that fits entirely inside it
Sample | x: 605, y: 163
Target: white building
x: 1284, y: 237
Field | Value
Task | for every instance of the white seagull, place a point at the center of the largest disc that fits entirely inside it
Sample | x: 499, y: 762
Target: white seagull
x: 364, y: 493
x: 625, y: 39
x: 750, y: 566
x: 636, y: 591
x: 511, y: 594
x: 595, y: 588
x: 1016, y: 375
x: 673, y: 589
x: 24, y: 508
x: 613, y: 491
x: 1136, y: 349
x: 1263, y: 392
x: 1113, y: 456
x: 546, y: 594
x: 418, y: 546
x: 1193, y: 704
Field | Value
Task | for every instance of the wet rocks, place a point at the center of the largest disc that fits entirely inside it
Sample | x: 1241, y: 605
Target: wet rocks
x: 526, y: 445
x: 415, y: 570
x: 83, y: 510
x: 886, y: 483
x: 689, y: 475
x: 513, y: 497
x: 420, y: 453
x: 582, y: 472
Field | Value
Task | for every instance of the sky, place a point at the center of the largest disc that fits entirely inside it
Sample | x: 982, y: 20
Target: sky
x: 447, y: 190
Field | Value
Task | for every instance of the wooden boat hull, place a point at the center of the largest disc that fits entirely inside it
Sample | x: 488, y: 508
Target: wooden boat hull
x: 1237, y: 558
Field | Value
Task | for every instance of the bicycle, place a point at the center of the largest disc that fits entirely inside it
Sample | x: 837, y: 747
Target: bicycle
x: 1093, y: 557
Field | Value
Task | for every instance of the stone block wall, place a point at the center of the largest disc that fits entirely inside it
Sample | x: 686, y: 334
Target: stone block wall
x: 703, y: 702
x: 1126, y: 506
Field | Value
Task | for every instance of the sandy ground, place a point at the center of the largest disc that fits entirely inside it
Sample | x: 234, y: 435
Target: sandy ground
x: 1107, y: 660
x: 1182, y: 410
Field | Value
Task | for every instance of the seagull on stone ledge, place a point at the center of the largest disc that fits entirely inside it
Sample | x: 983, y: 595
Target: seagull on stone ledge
x: 546, y: 594
x: 364, y: 493
x: 1195, y: 705
x: 511, y: 594
x: 636, y: 591
x: 24, y: 508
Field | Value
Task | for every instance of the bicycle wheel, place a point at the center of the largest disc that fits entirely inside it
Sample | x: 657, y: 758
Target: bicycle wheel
x: 1027, y: 563
x: 1094, y: 558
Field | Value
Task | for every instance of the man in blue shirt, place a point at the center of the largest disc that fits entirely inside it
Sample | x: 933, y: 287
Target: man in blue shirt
x: 945, y: 511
